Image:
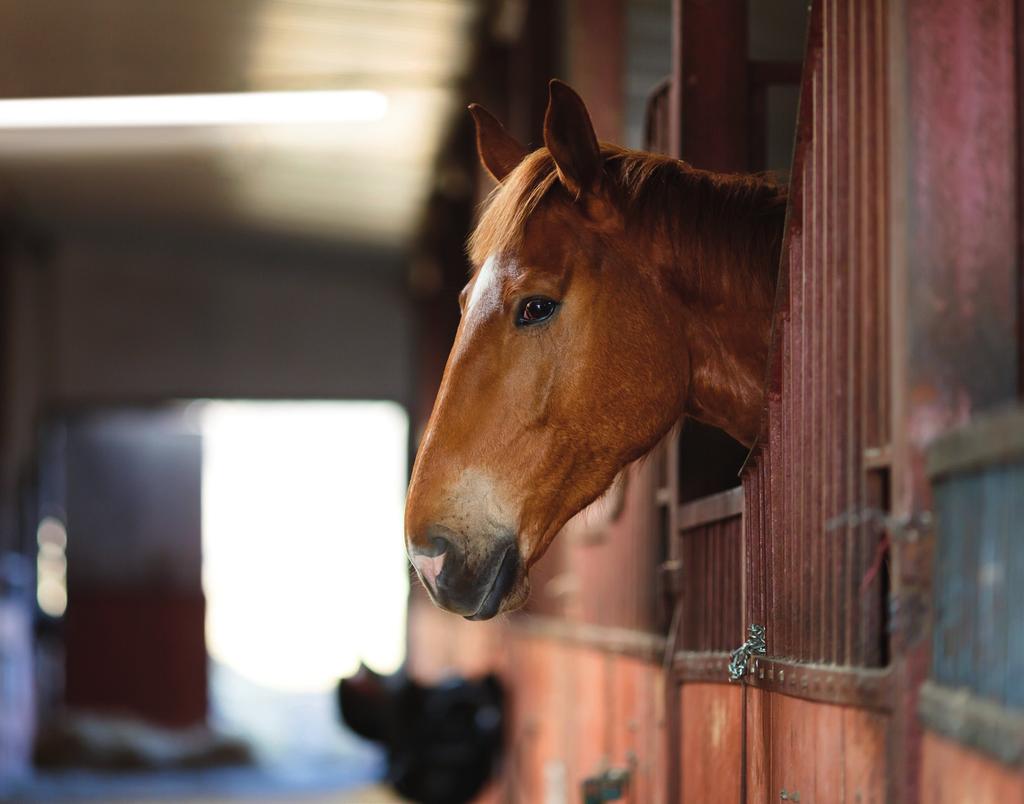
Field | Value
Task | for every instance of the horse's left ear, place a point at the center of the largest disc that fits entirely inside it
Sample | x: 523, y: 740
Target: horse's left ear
x: 569, y: 136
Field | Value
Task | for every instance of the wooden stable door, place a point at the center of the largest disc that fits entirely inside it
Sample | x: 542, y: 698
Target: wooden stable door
x: 801, y: 551
x: 812, y: 752
x: 741, y: 743
x: 787, y: 730
x: 745, y: 744
x: 711, y: 743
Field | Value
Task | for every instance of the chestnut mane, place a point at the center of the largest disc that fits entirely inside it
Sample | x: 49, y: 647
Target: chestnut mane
x: 726, y: 229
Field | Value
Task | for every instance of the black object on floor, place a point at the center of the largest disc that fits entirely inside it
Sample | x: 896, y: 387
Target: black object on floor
x: 443, y: 742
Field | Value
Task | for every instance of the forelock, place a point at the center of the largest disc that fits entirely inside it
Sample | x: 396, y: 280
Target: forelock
x: 505, y: 212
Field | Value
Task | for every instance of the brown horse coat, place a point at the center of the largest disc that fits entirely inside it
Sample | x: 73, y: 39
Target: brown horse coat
x: 614, y: 292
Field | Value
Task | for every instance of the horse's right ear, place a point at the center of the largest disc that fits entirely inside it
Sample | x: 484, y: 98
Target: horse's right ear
x: 569, y: 136
x: 499, y: 151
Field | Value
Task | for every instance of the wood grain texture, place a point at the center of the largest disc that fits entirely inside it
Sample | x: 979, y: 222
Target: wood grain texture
x: 711, y: 750
x: 951, y: 774
x: 825, y: 753
x: 576, y: 710
x: 757, y: 738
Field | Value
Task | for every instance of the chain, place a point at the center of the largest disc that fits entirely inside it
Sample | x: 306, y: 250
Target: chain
x: 755, y: 645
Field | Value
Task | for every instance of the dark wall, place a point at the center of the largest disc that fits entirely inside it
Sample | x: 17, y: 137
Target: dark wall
x: 159, y: 318
x: 120, y: 317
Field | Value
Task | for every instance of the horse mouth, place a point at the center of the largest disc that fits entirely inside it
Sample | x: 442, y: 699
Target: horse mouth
x: 504, y: 579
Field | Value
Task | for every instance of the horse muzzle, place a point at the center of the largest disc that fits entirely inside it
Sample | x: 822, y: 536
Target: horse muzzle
x: 475, y: 589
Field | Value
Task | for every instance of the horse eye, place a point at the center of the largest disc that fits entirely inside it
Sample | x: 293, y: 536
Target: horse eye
x: 536, y: 310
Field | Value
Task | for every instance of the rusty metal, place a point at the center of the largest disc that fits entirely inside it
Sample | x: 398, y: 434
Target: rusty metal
x: 701, y: 666
x: 955, y: 78
x: 826, y: 424
x: 710, y: 561
x: 866, y: 688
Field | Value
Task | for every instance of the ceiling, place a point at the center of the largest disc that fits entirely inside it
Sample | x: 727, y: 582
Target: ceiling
x: 359, y: 182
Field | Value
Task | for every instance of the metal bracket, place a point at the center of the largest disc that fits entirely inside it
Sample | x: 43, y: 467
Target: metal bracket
x: 610, y: 785
x: 756, y: 645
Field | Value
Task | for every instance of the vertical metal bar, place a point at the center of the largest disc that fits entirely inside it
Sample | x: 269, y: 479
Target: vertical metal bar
x: 830, y: 382
x: 854, y: 446
x: 778, y: 579
x: 803, y: 350
x: 818, y: 328
x: 880, y: 153
x: 867, y: 534
x: 761, y: 579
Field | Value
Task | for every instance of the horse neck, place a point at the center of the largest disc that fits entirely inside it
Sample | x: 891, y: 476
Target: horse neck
x: 727, y: 258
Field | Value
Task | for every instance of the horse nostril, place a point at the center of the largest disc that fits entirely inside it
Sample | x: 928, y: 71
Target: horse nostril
x: 429, y: 559
x: 439, y: 545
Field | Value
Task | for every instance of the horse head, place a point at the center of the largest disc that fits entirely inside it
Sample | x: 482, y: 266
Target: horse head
x: 572, y: 358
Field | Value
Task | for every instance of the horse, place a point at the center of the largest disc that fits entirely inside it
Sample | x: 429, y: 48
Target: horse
x: 613, y: 293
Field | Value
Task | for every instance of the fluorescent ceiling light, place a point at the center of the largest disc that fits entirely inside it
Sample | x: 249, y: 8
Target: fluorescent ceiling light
x: 225, y: 109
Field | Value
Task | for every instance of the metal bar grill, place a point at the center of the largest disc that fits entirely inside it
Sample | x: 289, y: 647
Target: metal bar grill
x: 812, y: 528
x: 711, y: 557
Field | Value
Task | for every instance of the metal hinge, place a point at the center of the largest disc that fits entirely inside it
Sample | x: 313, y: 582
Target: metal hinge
x: 756, y: 645
x: 610, y: 785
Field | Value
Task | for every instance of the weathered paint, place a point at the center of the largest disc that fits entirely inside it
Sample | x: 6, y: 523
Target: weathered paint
x: 820, y: 751
x: 954, y: 284
x: 711, y: 745
x: 814, y: 524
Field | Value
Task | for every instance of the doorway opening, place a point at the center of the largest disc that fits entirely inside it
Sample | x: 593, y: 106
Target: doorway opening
x: 304, y: 569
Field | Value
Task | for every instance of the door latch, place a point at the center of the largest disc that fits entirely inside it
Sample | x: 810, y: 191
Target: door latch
x: 610, y: 785
x: 755, y: 645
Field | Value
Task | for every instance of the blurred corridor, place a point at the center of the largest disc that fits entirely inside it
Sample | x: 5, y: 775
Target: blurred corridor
x: 208, y: 201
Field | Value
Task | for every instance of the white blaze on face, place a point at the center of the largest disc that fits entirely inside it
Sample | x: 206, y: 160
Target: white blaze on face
x: 476, y: 506
x: 486, y: 280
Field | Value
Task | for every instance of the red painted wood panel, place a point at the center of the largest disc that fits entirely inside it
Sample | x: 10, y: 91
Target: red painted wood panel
x: 823, y: 752
x: 711, y: 744
x: 864, y: 750
x: 536, y: 750
x: 574, y: 710
x: 951, y: 774
x: 637, y: 727
x: 955, y: 293
x: 757, y: 738
x: 811, y: 525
